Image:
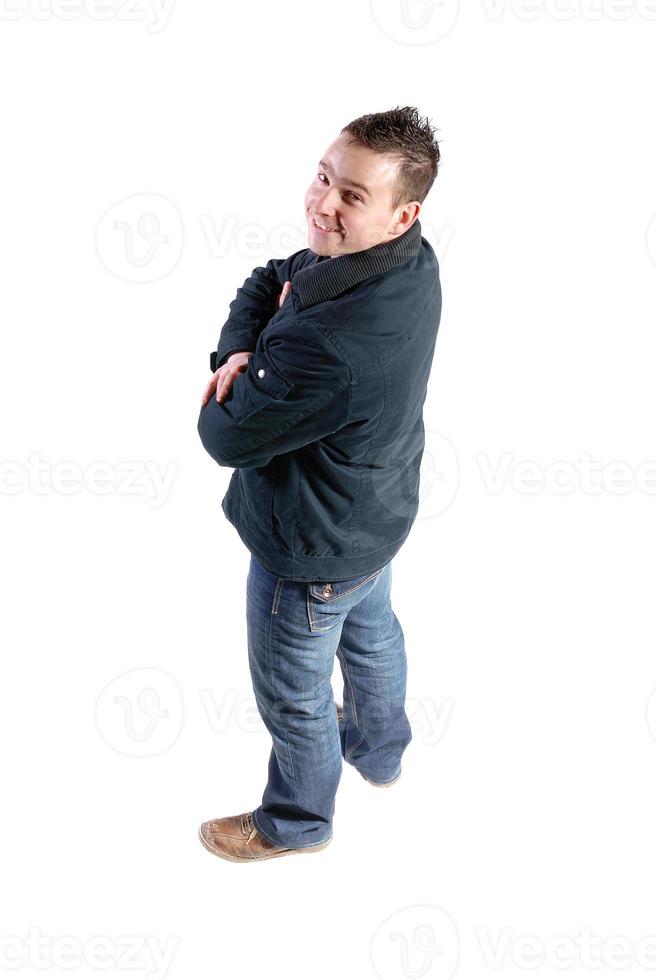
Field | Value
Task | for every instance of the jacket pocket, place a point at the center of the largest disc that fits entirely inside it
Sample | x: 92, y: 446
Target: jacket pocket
x: 329, y: 603
x: 258, y: 484
x: 257, y: 386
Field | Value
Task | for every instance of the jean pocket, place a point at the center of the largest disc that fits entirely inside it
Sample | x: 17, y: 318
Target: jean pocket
x: 329, y: 603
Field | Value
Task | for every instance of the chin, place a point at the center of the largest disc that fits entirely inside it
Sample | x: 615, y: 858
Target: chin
x: 321, y: 247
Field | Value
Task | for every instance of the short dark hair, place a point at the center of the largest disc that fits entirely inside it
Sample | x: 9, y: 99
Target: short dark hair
x: 402, y: 133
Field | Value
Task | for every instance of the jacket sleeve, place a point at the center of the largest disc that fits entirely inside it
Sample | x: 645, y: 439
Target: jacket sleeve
x: 253, y: 307
x: 294, y: 391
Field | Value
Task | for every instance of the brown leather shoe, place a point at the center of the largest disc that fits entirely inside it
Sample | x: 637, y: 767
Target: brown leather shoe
x: 238, y: 839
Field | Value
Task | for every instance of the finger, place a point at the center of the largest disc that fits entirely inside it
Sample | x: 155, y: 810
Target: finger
x: 224, y: 387
x: 285, y: 290
x: 227, y: 381
x: 209, y: 388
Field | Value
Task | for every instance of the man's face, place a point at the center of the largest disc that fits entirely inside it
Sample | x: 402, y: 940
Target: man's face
x: 351, y: 194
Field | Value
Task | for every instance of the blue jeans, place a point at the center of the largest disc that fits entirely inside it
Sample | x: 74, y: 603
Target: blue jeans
x: 294, y: 631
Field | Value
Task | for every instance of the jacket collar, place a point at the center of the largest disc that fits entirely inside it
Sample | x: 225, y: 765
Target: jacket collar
x: 326, y: 279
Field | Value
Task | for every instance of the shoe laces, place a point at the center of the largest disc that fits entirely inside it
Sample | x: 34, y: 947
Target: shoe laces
x: 248, y: 827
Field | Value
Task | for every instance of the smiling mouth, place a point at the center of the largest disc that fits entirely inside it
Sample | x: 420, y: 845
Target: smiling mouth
x: 325, y: 230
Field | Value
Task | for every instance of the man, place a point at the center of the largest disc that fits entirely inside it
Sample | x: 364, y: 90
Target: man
x: 316, y: 402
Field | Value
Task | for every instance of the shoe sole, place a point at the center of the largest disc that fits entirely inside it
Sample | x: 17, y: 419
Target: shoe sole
x: 266, y: 857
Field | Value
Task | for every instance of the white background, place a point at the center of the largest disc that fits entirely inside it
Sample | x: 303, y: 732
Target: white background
x: 525, y: 590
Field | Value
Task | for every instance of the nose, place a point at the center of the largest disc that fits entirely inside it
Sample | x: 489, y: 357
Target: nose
x: 324, y: 201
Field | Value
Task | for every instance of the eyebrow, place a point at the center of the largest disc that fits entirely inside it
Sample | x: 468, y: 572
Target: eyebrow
x: 352, y: 183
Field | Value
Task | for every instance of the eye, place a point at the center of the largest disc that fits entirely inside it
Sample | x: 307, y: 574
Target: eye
x: 352, y: 193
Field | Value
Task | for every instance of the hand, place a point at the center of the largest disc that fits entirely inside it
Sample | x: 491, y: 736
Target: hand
x: 223, y: 377
x: 287, y: 288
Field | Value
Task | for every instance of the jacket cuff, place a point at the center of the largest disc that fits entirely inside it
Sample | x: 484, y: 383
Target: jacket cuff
x: 214, y: 363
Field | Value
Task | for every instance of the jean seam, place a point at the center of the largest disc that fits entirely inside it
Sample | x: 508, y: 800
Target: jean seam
x: 280, y: 584
x: 272, y: 689
x: 310, y: 596
x: 354, y: 710
x: 357, y: 585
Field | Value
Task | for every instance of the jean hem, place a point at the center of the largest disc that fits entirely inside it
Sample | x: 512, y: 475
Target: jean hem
x: 381, y: 782
x: 281, y: 843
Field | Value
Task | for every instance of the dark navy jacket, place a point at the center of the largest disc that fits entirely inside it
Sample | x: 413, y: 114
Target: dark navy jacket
x: 325, y: 428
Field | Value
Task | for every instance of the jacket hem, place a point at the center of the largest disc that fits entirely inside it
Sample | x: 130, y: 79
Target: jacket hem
x: 303, y: 568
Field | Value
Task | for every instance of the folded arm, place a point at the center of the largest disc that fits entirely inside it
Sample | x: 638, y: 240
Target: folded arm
x: 252, y: 308
x: 294, y: 391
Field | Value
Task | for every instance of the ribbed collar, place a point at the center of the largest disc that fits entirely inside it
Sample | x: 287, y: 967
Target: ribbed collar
x: 326, y: 279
